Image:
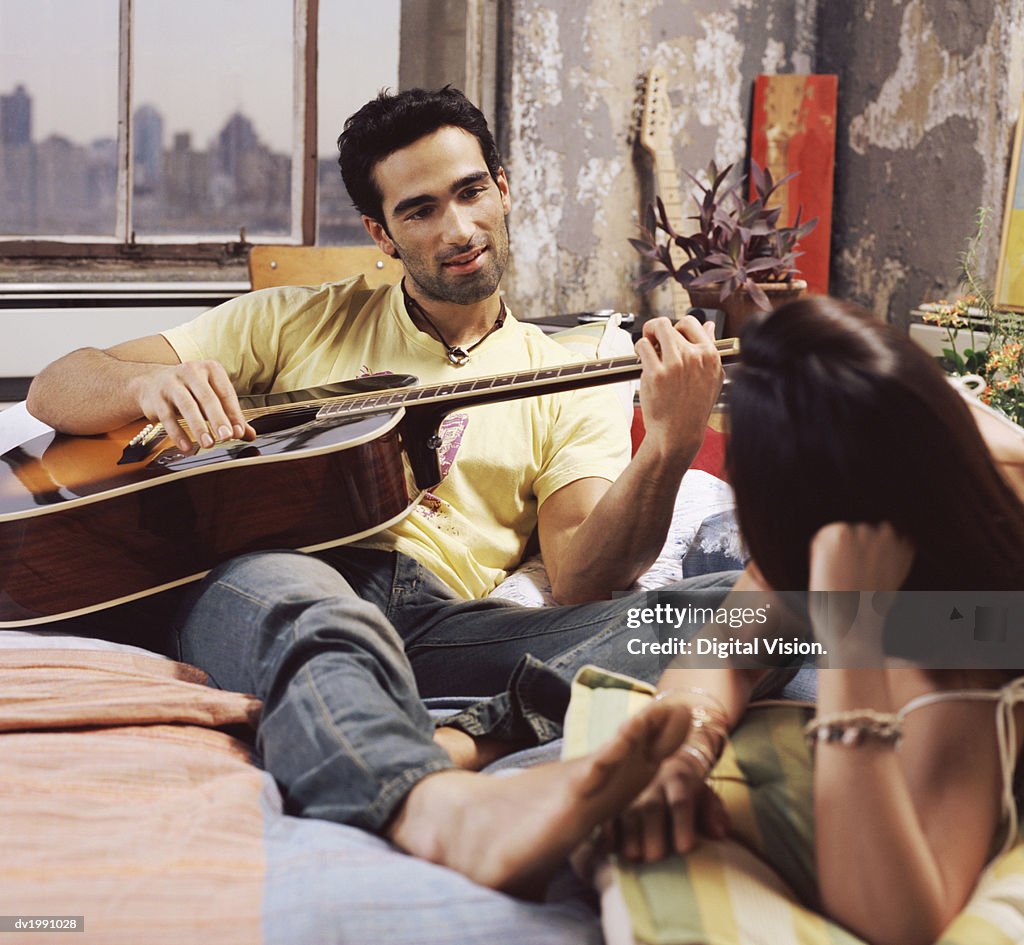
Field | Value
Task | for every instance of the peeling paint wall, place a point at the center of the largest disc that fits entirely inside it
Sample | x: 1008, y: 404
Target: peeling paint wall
x: 578, y: 186
x: 928, y: 94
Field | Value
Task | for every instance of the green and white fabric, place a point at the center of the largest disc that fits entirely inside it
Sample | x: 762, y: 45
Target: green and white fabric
x: 758, y: 887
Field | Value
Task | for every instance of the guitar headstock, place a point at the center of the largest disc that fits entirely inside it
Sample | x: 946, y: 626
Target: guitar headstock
x: 654, y: 132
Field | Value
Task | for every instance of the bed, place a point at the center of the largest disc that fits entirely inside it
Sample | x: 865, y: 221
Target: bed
x: 130, y: 811
x: 130, y: 807
x: 129, y: 802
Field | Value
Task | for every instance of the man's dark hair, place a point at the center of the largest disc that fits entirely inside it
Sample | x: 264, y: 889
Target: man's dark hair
x: 393, y: 121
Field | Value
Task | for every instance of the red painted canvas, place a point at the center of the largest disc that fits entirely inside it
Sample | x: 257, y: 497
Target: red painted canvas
x: 794, y: 129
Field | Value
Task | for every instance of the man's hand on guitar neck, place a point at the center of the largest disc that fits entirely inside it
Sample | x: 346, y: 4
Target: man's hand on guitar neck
x: 92, y: 391
x: 681, y: 380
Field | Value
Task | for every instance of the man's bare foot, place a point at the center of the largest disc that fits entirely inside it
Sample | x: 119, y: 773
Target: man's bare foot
x: 511, y: 833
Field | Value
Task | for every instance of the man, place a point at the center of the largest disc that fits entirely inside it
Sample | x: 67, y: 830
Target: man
x: 342, y: 646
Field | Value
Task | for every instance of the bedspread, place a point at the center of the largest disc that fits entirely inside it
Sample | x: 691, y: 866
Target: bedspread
x: 122, y: 802
x: 127, y: 797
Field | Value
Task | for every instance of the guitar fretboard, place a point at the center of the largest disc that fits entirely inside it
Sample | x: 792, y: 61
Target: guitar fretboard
x: 656, y: 138
x: 500, y: 386
x: 490, y: 387
x: 668, y: 190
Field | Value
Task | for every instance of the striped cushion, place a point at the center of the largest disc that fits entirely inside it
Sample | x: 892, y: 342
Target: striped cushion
x: 758, y: 887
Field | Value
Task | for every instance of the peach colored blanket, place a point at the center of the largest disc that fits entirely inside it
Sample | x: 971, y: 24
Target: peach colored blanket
x: 122, y: 801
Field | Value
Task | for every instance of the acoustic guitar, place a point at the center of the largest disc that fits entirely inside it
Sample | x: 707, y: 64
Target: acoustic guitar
x: 90, y: 522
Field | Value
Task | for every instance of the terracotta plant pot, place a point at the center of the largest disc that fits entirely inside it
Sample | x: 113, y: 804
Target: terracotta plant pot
x: 740, y: 306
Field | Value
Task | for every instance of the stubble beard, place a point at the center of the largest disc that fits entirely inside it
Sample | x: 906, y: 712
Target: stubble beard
x: 437, y: 286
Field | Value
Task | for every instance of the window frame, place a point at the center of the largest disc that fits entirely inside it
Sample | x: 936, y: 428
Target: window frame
x: 124, y: 245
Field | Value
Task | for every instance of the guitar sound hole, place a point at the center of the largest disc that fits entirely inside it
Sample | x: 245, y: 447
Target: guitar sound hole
x: 271, y: 423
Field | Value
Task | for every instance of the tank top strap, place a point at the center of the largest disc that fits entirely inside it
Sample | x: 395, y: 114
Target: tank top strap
x: 1006, y: 700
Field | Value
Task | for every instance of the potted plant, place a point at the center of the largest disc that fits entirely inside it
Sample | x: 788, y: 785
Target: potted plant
x: 994, y: 357
x: 738, y: 259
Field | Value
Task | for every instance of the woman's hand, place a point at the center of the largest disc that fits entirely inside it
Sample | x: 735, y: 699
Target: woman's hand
x: 847, y: 559
x: 667, y: 817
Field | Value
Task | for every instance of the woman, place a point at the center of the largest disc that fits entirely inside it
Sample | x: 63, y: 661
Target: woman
x: 856, y: 466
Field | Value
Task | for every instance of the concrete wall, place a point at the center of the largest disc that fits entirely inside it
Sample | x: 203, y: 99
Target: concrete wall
x: 578, y: 187
x: 928, y: 93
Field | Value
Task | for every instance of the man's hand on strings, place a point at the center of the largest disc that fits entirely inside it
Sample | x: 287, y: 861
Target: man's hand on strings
x: 198, y: 393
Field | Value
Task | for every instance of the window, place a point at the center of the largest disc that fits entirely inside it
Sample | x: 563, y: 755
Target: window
x: 159, y: 129
x: 214, y: 169
x: 58, y: 153
x: 358, y: 56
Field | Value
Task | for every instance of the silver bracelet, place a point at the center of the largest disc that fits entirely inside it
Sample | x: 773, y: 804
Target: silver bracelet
x: 856, y: 728
x: 701, y: 756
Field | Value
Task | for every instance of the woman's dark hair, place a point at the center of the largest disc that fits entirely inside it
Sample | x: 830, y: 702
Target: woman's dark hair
x: 394, y: 121
x: 837, y: 417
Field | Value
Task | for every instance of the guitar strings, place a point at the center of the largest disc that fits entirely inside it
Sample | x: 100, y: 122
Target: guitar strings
x: 725, y: 347
x: 357, y: 402
x: 402, y: 395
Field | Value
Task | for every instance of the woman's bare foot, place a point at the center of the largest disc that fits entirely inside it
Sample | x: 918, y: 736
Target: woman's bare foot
x: 511, y: 833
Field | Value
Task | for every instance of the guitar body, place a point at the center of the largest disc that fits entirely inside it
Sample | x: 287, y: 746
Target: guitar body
x: 79, y: 532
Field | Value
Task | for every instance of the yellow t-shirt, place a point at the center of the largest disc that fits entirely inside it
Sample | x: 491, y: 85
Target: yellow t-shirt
x: 501, y: 461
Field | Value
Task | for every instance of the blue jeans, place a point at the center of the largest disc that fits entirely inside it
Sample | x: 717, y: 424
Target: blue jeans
x: 343, y: 646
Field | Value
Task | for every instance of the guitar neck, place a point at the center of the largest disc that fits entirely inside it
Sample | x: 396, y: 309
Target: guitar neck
x: 457, y: 394
x: 668, y: 189
x: 656, y: 138
x: 668, y: 183
x: 453, y: 395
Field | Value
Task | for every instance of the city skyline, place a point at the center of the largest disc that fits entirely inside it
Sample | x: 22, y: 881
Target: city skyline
x: 52, y: 184
x: 197, y: 61
x: 141, y: 121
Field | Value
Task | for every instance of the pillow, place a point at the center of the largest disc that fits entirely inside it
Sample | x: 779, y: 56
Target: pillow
x: 18, y: 426
x: 603, y: 340
x: 758, y: 886
x: 41, y: 638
